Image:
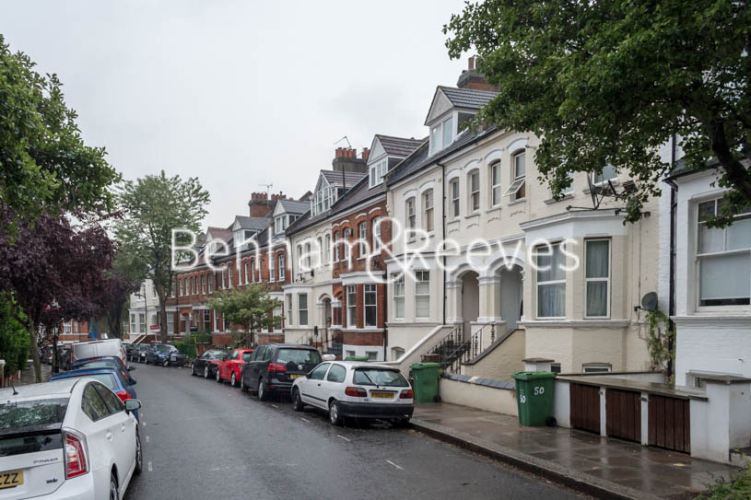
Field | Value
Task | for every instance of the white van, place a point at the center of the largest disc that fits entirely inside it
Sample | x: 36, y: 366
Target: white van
x: 98, y: 348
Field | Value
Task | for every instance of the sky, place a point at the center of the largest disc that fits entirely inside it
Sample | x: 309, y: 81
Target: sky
x: 238, y: 93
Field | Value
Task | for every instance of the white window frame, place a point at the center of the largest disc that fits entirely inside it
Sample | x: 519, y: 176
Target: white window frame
x: 519, y: 181
x: 203, y: 284
x: 428, y: 210
x: 410, y: 213
x: 336, y: 246
x: 326, y: 249
x: 224, y: 278
x: 398, y: 296
x: 272, y: 268
x: 370, y: 290
x: 289, y: 310
x: 377, y: 171
x: 210, y: 279
x: 302, y: 312
x: 456, y: 195
x: 438, y: 140
x: 604, y: 181
x: 607, y: 279
x: 377, y: 242
x: 351, y: 306
x: 420, y: 297
x: 246, y: 268
x: 496, y: 195
x: 597, y: 367
x: 282, y: 270
x: 473, y: 192
x: 362, y: 236
x: 539, y: 283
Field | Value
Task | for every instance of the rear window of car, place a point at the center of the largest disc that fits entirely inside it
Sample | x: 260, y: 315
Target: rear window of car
x: 98, y: 364
x: 107, y: 379
x: 30, y: 414
x: 164, y: 348
x: 306, y: 357
x: 380, y: 377
x: 247, y: 356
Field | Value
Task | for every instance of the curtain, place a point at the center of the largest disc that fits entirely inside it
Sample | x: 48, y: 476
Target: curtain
x: 725, y: 277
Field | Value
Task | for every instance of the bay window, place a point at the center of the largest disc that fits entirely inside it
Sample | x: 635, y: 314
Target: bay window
x: 398, y: 284
x: 597, y: 278
x: 302, y: 308
x: 551, y: 281
x: 352, y: 306
x: 370, y: 300
x: 422, y: 294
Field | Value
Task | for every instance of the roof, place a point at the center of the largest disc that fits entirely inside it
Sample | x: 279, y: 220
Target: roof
x: 253, y: 223
x: 336, y: 178
x: 468, y: 98
x: 219, y: 233
x: 295, y: 207
x: 417, y: 162
x: 57, y: 388
x: 398, y: 146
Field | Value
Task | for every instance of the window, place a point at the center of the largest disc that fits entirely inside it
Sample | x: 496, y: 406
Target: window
x: 377, y: 243
x: 473, y: 183
x: 92, y: 404
x: 422, y: 294
x: 352, y: 306
x: 517, y: 188
x: 245, y: 270
x: 427, y: 210
x: 551, y: 282
x: 570, y: 189
x: 171, y: 323
x: 280, y: 224
x: 319, y: 251
x: 398, y: 296
x: 448, y: 132
x: 289, y: 310
x: 337, y: 374
x: 230, y: 282
x: 210, y: 279
x: 308, y: 257
x: 114, y: 405
x: 723, y: 258
x: 596, y: 367
x: 608, y: 173
x: 347, y: 235
x: 396, y: 353
x: 495, y: 184
x: 327, y: 250
x: 362, y: 232
x: 224, y: 278
x: 441, y: 135
x: 336, y: 246
x: 141, y: 323
x: 203, y: 284
x: 300, y: 261
x: 350, y: 353
x: 555, y: 368
x: 302, y: 308
x: 272, y: 270
x: 597, y: 278
x: 370, y: 300
x: 133, y: 327
x: 454, y: 188
x: 410, y: 212
x: 319, y: 372
x: 372, y: 355
x: 377, y: 172
x: 67, y: 327
x: 281, y: 267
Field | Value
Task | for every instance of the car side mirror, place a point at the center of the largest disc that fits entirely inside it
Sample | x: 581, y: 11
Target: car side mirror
x: 133, y: 381
x: 132, y: 405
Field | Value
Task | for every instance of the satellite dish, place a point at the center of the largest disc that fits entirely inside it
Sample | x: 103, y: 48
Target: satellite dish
x: 649, y: 302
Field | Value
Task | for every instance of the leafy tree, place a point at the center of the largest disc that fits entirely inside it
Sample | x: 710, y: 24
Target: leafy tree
x: 14, y: 339
x: 251, y: 308
x: 607, y: 82
x: 45, y: 166
x: 154, y: 206
x: 113, y: 301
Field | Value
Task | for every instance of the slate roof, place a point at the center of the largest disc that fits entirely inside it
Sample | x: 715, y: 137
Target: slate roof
x: 399, y: 146
x: 295, y: 207
x: 220, y: 233
x: 253, y: 223
x: 468, y: 98
x: 334, y: 178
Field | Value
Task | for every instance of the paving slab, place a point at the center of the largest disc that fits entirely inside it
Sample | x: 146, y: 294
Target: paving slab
x: 603, y: 467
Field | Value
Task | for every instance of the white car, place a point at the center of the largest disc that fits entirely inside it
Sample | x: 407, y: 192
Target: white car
x: 355, y: 389
x: 67, y: 439
x: 98, y: 349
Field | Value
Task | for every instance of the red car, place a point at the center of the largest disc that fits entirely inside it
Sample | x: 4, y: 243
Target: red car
x: 231, y: 366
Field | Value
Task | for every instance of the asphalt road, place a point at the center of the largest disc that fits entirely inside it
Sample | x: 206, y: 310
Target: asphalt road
x: 203, y: 440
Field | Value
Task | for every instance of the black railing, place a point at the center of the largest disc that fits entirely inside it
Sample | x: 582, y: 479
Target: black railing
x: 456, y: 348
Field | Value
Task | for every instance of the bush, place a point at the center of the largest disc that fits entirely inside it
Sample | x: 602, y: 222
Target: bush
x: 738, y: 488
x: 187, y: 347
x: 15, y: 342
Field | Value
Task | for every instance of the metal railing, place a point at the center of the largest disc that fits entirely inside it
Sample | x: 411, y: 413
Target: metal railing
x: 456, y: 348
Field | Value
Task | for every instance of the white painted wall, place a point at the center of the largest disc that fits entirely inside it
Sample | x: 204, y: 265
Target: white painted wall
x: 479, y: 396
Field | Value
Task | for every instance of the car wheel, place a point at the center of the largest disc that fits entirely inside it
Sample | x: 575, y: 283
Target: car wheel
x: 139, y: 455
x: 233, y: 380
x: 114, y: 494
x: 166, y: 363
x: 400, y: 423
x: 206, y: 372
x: 193, y: 371
x: 335, y: 416
x: 243, y: 387
x: 218, y: 377
x: 263, y: 392
x: 297, y: 403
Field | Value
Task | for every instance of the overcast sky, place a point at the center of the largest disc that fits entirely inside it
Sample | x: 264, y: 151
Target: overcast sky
x: 239, y: 93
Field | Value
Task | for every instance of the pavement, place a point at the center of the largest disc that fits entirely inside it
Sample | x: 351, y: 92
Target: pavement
x: 206, y: 440
x: 601, y: 467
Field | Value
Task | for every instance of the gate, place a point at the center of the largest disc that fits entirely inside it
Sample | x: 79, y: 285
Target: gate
x: 585, y: 407
x: 623, y: 414
x: 669, y: 423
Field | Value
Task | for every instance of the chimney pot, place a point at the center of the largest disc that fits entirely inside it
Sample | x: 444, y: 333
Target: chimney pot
x: 471, y: 63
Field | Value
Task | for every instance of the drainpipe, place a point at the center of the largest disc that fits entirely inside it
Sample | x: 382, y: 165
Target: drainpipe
x: 671, y: 285
x: 443, y: 231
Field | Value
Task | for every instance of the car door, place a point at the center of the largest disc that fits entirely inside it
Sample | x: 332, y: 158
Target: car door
x: 98, y: 438
x: 251, y: 367
x: 226, y: 366
x: 310, y: 388
x: 123, y: 429
x: 333, y: 385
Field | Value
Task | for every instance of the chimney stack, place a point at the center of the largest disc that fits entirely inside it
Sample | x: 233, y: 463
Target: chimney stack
x: 365, y: 154
x: 346, y: 160
x: 472, y: 79
x: 259, y: 204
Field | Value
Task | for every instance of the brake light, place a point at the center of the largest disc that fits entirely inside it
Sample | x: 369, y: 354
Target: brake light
x: 75, y: 457
x: 356, y: 392
x: 123, y: 395
x: 408, y: 394
x: 276, y: 368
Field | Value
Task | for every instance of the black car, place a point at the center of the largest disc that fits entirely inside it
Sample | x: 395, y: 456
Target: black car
x: 165, y: 355
x: 139, y: 354
x: 274, y: 367
x: 129, y: 350
x: 63, y: 357
x: 206, y: 364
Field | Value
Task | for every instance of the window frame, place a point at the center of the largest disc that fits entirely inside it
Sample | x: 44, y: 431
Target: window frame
x: 376, y: 231
x: 495, y: 168
x: 362, y: 235
x: 419, y: 297
x: 518, y: 184
x: 410, y: 213
x: 282, y: 270
x: 301, y: 309
x: 351, y: 291
x: 428, y: 209
x: 473, y: 192
x: 370, y: 290
x: 607, y: 279
x: 456, y: 197
x: 398, y: 285
x: 539, y: 283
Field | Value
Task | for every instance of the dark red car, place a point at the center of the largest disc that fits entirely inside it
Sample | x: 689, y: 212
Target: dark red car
x: 231, y: 366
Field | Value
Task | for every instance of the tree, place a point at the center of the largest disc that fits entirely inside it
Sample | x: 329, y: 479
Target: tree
x: 153, y: 206
x: 14, y: 339
x: 251, y: 308
x: 45, y: 167
x: 50, y: 261
x: 116, y: 290
x: 607, y: 82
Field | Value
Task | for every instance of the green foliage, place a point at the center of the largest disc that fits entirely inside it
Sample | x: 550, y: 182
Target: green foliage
x: 154, y: 206
x: 608, y: 82
x: 44, y: 164
x: 15, y: 342
x: 187, y: 347
x: 660, y: 339
x: 738, y: 488
x: 251, y: 308
x: 202, y: 337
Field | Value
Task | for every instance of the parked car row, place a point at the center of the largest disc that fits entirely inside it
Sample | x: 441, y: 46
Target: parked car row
x: 344, y: 389
x: 75, y: 436
x: 158, y: 354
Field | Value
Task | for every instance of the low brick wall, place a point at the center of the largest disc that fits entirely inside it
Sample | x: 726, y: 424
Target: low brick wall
x: 482, y: 393
x: 221, y: 339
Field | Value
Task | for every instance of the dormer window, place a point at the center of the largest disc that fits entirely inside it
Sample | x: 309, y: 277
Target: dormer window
x: 442, y: 135
x: 377, y: 171
x: 280, y: 224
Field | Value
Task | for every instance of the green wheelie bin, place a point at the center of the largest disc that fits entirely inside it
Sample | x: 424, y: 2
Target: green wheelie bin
x: 534, y: 396
x: 425, y: 376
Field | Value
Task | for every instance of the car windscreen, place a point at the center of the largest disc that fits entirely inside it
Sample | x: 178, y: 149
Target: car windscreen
x: 97, y: 364
x: 309, y: 359
x: 247, y: 356
x: 164, y: 348
x: 380, y: 377
x: 31, y: 414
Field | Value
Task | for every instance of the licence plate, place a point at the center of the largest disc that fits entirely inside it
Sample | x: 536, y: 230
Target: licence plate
x: 11, y: 479
x: 381, y: 394
x: 293, y: 377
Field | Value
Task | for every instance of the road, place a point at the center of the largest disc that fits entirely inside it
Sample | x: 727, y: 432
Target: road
x: 203, y: 440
